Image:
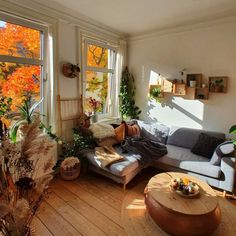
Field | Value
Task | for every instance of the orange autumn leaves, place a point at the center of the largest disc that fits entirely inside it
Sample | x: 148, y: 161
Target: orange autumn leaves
x: 22, y: 81
x: 17, y: 80
x: 19, y: 41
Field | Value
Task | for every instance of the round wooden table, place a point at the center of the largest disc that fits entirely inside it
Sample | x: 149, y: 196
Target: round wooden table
x: 178, y: 215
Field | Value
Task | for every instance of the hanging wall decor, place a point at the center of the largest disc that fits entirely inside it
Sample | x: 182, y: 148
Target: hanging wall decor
x: 70, y: 70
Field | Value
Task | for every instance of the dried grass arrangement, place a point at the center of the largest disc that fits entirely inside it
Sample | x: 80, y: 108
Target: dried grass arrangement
x: 25, y: 173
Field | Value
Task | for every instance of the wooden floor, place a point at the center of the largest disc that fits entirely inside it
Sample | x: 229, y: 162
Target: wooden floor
x: 90, y: 205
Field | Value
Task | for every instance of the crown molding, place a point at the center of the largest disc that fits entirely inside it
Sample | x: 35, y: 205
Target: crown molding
x: 50, y: 10
x: 183, y: 28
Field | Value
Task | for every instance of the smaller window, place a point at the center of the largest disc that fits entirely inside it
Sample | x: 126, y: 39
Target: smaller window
x: 99, y: 82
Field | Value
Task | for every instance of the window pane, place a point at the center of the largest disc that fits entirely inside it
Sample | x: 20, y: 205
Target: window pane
x: 97, y: 56
x: 97, y: 87
x: 19, y: 41
x: 17, y: 81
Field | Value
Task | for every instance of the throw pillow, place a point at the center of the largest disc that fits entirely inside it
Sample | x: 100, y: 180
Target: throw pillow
x: 224, y: 149
x: 120, y: 132
x: 132, y: 130
x: 107, y: 155
x: 206, y: 145
x: 101, y: 130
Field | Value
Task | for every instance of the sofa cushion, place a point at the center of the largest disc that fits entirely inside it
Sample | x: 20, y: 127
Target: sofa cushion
x: 224, y: 149
x: 187, y: 137
x: 120, y: 168
x: 206, y: 145
x: 154, y: 131
x: 202, y: 168
x: 183, y: 158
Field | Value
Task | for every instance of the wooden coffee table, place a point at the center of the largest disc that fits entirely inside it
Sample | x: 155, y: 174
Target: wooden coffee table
x: 179, y: 215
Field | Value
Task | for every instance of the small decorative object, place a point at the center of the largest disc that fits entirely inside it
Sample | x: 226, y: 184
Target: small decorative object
x: 70, y: 168
x: 203, y: 85
x: 218, y: 84
x: 96, y: 106
x: 184, y: 187
x: 70, y: 70
x: 192, y: 83
x: 194, y: 77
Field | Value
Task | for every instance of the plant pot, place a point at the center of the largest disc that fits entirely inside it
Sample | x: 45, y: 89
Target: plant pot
x: 192, y: 83
x: 71, y: 173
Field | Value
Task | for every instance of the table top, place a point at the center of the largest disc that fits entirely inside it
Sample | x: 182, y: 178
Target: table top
x: 159, y: 189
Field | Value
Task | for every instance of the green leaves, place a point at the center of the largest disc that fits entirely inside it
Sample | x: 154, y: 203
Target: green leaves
x: 127, y: 94
x: 232, y: 130
x: 27, y: 115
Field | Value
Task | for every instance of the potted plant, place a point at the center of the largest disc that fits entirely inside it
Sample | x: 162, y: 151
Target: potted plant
x: 218, y: 85
x: 127, y: 106
x: 155, y: 92
x: 96, y: 105
x: 233, y: 131
x: 70, y: 168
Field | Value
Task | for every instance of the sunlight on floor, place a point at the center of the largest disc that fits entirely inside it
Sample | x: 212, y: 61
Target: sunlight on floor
x: 136, y: 204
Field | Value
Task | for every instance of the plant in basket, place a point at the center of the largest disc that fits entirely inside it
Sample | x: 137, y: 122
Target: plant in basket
x: 70, y: 168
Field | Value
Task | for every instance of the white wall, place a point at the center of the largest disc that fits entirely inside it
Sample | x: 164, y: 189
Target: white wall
x: 67, y: 52
x: 210, y: 51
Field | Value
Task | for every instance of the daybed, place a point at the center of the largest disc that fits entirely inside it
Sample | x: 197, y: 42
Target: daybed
x: 217, y: 171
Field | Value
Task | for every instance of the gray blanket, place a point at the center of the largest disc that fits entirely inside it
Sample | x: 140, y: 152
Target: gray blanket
x: 149, y: 150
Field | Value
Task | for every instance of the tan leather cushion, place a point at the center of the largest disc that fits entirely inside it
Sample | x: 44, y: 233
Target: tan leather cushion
x: 107, y: 155
x: 120, y: 132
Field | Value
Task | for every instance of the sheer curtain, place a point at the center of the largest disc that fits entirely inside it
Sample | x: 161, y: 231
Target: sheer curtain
x: 120, y: 65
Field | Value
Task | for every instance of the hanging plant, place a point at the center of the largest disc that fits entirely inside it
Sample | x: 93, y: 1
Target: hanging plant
x: 128, y: 109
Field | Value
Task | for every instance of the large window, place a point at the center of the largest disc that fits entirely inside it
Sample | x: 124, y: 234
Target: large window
x: 21, y: 60
x: 99, y: 81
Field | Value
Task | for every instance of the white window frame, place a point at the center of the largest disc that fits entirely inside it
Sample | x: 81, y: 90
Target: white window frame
x: 42, y: 61
x: 113, y: 84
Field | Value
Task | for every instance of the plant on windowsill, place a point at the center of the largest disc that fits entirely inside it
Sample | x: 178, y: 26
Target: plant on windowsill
x: 128, y: 109
x: 95, y: 105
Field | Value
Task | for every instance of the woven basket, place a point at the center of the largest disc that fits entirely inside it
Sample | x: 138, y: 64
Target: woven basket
x: 70, y: 173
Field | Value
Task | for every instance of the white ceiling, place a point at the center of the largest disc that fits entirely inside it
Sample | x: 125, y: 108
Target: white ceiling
x: 135, y: 17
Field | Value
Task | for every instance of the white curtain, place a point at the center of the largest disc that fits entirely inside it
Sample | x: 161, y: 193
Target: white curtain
x: 120, y: 65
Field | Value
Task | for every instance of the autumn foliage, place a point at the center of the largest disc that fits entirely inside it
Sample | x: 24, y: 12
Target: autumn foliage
x: 17, y: 80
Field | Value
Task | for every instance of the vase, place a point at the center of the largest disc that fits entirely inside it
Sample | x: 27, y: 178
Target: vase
x: 94, y: 118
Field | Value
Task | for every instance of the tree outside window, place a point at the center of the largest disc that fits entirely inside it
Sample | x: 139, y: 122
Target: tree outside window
x: 20, y: 64
x: 99, y: 71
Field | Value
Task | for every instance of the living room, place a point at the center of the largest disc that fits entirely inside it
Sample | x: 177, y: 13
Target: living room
x: 165, y: 45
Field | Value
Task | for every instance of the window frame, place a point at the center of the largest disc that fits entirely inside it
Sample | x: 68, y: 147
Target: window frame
x: 85, y: 67
x: 42, y: 61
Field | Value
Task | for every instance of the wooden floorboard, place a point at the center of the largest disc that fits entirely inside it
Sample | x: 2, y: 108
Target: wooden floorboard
x: 91, y: 205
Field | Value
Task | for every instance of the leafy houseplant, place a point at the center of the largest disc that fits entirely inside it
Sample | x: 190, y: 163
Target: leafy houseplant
x: 155, y: 92
x: 127, y: 94
x: 27, y: 115
x: 233, y: 131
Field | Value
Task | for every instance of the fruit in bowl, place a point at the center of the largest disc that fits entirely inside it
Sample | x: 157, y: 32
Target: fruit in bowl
x: 184, y: 186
